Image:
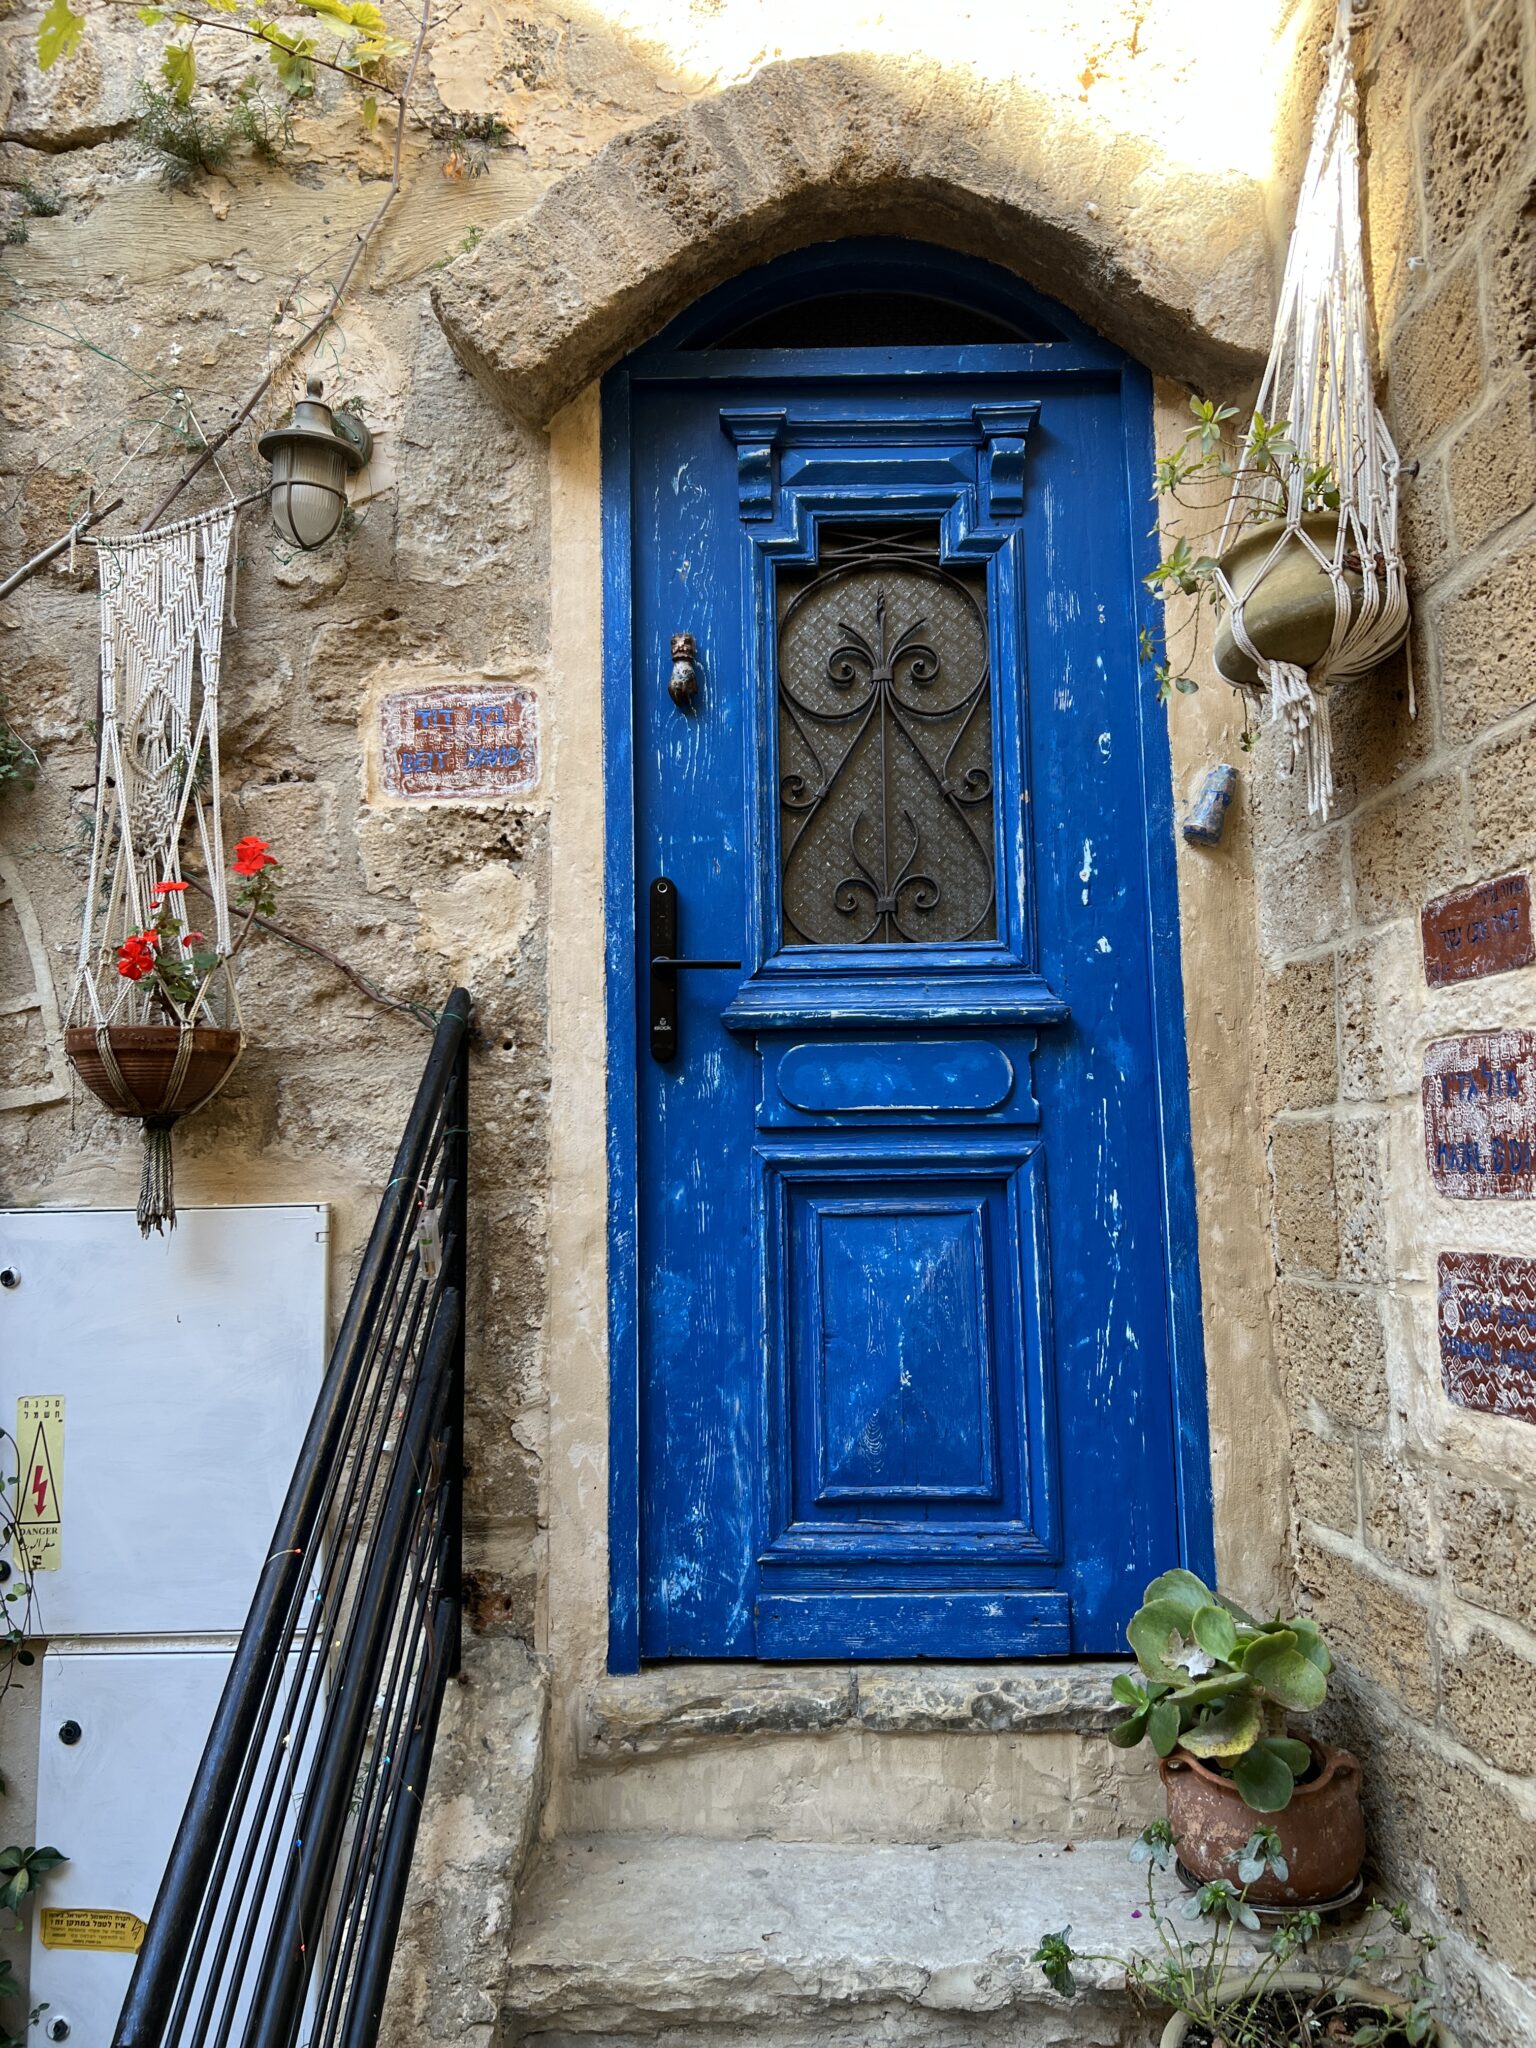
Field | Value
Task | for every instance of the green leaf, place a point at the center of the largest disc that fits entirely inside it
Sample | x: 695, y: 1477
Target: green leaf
x: 1126, y: 1734
x: 1215, y: 1632
x: 370, y: 112
x: 1230, y: 1731
x: 178, y: 67
x: 1309, y: 1640
x: 1293, y: 1754
x: 1263, y: 1781
x: 1163, y: 1727
x: 1055, y: 1957
x: 1125, y: 1689
x: 58, y: 33
x: 1179, y: 1589
x: 1155, y: 1632
x: 1278, y: 1666
x: 150, y: 16
x: 1220, y: 1685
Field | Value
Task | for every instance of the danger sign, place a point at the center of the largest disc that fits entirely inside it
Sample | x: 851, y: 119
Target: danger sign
x: 39, y: 1480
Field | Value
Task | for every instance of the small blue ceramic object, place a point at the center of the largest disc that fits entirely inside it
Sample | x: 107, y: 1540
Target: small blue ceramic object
x: 1208, y: 812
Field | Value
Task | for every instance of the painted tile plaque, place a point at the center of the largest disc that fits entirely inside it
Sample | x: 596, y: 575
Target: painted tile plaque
x: 1488, y: 1332
x: 1482, y: 930
x: 1480, y: 1115
x: 460, y: 739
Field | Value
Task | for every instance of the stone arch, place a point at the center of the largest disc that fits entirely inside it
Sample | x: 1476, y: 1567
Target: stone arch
x: 1171, y: 264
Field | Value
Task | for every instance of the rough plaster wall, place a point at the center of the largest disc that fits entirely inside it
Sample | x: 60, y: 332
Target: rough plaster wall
x: 447, y: 573
x: 1416, y: 1520
x: 131, y: 293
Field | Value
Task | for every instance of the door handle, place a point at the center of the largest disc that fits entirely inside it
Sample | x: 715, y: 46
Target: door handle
x: 665, y: 965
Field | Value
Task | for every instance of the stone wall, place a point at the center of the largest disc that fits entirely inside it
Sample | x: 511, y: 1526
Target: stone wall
x: 135, y: 317
x: 1415, y: 1518
x: 1119, y: 155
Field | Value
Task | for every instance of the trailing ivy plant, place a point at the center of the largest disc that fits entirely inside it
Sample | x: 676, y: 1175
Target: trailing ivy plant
x: 1253, y: 1996
x: 1219, y: 1685
x: 352, y: 37
x: 1199, y: 475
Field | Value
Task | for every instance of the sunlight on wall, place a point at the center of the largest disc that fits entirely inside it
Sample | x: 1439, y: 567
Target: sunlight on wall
x: 1200, y: 80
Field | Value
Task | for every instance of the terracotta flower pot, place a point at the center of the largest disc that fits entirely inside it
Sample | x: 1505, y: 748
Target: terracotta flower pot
x: 1322, y: 1831
x: 1289, y: 615
x: 1177, y: 2028
x: 146, y: 1056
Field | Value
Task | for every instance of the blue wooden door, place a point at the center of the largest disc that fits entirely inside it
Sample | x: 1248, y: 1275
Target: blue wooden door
x: 903, y: 1294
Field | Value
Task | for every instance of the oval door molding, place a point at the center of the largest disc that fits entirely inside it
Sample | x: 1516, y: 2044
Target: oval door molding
x: 896, y: 1074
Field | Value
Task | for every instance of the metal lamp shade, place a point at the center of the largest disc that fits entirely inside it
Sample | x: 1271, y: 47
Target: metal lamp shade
x: 309, y: 490
x: 311, y: 459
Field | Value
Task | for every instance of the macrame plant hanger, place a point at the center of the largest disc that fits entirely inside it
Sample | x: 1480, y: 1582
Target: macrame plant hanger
x: 142, y: 1050
x: 1318, y: 380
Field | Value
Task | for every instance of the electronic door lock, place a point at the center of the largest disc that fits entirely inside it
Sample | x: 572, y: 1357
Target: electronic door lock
x: 665, y: 965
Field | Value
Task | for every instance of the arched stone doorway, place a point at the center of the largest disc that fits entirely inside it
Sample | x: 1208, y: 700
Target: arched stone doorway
x: 1171, y: 264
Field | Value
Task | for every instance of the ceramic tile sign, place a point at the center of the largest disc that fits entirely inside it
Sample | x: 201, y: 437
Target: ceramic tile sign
x: 460, y: 739
x: 1488, y: 1332
x: 1482, y: 930
x: 1480, y: 1115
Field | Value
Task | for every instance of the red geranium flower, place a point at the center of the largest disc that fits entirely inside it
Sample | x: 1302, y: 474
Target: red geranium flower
x: 136, y: 956
x: 251, y: 856
x: 168, y: 889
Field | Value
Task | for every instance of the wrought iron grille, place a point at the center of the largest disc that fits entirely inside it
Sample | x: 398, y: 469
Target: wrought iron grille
x: 886, y: 810
x: 277, y: 1915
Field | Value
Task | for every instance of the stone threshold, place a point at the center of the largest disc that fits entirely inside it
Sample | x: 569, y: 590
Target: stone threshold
x: 674, y: 1706
x: 633, y: 1938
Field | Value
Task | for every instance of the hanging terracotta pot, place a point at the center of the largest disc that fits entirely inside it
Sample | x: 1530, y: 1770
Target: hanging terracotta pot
x: 156, y: 1072
x: 1287, y: 607
x: 145, y: 1057
x: 1322, y: 1830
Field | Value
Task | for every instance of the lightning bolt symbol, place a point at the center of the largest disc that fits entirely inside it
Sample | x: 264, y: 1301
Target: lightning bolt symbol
x: 39, y: 1491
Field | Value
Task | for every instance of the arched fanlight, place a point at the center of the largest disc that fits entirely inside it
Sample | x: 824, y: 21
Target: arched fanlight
x: 311, y: 460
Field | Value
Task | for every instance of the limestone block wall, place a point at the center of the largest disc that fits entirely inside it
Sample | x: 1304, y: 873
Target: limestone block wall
x: 1415, y: 1519
x: 133, y: 317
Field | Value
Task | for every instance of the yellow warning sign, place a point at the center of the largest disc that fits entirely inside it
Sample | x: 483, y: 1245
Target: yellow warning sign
x: 39, y: 1479
x: 98, y: 1927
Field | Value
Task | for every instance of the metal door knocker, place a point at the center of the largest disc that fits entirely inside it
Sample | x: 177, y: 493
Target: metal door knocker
x: 683, y: 683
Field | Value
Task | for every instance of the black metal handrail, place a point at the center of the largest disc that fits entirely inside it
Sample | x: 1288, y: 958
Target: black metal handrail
x: 280, y: 1905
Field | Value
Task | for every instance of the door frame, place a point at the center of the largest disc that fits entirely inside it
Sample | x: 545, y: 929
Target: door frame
x: 678, y: 354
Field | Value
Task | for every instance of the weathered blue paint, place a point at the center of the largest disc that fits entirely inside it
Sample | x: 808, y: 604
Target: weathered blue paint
x: 904, y: 1306
x: 899, y: 1076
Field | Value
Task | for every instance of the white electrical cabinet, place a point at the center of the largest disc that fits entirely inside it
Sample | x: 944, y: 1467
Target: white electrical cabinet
x: 179, y: 1375
x: 122, y: 1733
x: 188, y: 1367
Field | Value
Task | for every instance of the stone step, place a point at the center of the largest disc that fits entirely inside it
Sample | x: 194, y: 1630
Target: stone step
x: 626, y: 1939
x: 860, y: 1753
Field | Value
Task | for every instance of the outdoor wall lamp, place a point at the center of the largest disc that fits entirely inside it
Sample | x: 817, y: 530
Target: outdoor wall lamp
x: 311, y: 460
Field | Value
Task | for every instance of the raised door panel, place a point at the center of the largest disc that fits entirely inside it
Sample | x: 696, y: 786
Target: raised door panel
x: 894, y: 1358
x: 911, y: 1414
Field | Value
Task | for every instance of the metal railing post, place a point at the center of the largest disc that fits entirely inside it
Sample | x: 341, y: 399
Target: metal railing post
x: 358, y: 1479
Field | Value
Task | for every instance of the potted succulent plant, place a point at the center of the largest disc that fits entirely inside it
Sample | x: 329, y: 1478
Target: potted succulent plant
x: 1279, y: 576
x: 1289, y: 1991
x: 1215, y: 1697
